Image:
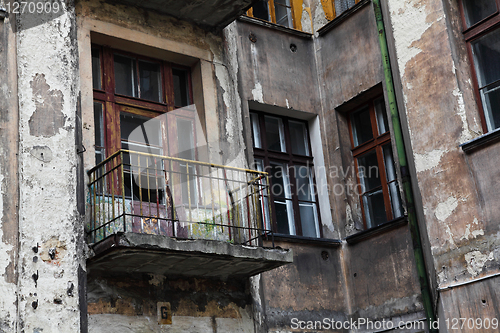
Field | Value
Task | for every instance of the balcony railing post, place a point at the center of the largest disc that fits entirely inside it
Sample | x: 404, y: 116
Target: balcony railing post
x: 122, y: 185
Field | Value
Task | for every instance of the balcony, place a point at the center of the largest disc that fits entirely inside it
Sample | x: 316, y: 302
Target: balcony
x: 208, y: 14
x: 164, y: 215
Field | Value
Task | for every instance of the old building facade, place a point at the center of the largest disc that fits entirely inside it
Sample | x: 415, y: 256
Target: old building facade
x: 249, y: 166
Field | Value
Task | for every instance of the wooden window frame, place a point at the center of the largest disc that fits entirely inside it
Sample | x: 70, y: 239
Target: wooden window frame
x: 114, y: 104
x: 375, y: 144
x: 268, y: 156
x: 272, y: 13
x: 472, y: 33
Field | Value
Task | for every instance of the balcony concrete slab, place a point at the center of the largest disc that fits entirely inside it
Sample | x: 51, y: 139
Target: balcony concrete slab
x: 208, y: 14
x: 154, y: 254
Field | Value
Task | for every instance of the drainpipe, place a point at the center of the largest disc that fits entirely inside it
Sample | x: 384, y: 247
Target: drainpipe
x: 407, y: 188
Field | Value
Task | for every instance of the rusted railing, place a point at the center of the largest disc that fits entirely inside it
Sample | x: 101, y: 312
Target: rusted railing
x: 151, y: 194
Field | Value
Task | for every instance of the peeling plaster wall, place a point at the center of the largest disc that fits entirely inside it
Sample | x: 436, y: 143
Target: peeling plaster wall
x: 441, y: 114
x: 9, y: 191
x: 50, y: 228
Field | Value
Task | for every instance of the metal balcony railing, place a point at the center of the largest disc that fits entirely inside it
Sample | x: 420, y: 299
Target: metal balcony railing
x: 152, y: 194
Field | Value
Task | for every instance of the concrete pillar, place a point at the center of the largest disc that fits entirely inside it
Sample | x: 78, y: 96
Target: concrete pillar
x: 50, y: 226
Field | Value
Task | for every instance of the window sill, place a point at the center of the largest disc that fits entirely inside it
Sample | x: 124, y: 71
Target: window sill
x: 342, y: 17
x: 307, y: 240
x: 274, y: 26
x: 380, y: 229
x: 481, y: 141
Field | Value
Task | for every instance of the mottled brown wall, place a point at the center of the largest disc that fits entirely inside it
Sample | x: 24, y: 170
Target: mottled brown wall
x: 382, y: 276
x: 192, y: 300
x: 271, y: 73
x: 309, y: 289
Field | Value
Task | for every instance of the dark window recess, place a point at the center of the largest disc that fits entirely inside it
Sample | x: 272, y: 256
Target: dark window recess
x: 261, y: 10
x: 181, y: 87
x: 96, y: 69
x: 150, y: 81
x: 375, y: 165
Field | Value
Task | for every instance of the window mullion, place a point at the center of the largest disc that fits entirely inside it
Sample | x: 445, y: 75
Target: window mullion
x: 272, y: 11
x: 169, y: 87
x: 108, y: 74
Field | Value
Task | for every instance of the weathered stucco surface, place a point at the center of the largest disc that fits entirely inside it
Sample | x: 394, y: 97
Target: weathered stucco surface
x: 462, y: 230
x: 50, y: 228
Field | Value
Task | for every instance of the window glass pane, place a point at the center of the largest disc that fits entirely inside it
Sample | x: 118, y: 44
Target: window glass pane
x: 381, y: 114
x: 150, y: 82
x: 140, y: 131
x: 261, y: 10
x: 397, y: 209
x: 303, y: 178
x: 279, y: 180
x: 390, y: 169
x: 486, y: 52
x: 374, y: 207
x: 185, y: 139
x: 282, y: 213
x: 343, y: 5
x: 368, y: 171
x: 181, y: 89
x: 361, y: 126
x: 99, y: 132
x: 298, y: 138
x: 125, y: 76
x: 476, y: 10
x: 283, y: 13
x: 308, y: 219
x: 280, y: 188
x: 254, y: 118
x: 96, y: 69
x: 490, y: 96
x: 275, y: 134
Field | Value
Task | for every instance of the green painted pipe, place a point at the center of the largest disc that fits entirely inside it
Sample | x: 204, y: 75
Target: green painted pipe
x: 407, y: 188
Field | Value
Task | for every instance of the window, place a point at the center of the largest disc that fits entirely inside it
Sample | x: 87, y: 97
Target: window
x: 275, y: 11
x: 334, y: 8
x: 282, y: 148
x: 374, y: 164
x: 133, y: 92
x: 481, y: 21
